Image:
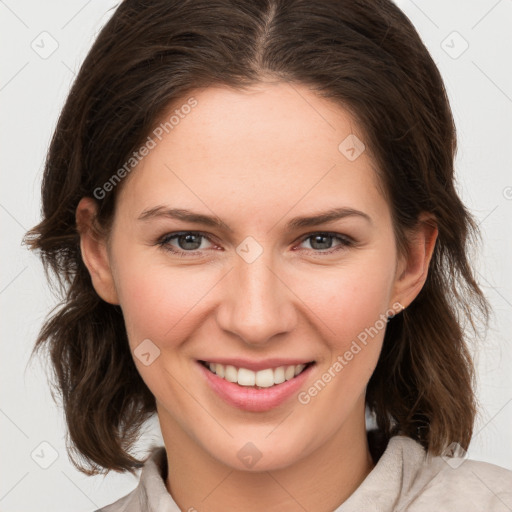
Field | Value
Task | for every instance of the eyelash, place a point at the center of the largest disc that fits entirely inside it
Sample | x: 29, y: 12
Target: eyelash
x: 163, y: 242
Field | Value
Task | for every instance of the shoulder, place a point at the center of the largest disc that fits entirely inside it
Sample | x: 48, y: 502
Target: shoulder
x: 151, y: 494
x: 127, y: 503
x: 453, y: 483
x: 407, y: 479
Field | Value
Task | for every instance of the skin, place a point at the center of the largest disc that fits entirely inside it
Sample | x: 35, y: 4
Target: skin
x: 291, y: 301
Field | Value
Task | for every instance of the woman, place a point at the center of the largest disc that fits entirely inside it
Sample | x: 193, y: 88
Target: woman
x: 252, y: 205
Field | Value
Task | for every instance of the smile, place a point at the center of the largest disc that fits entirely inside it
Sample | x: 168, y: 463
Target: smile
x: 264, y: 378
x: 245, y: 391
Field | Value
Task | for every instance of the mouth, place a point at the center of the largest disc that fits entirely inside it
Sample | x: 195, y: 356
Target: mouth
x: 261, y: 379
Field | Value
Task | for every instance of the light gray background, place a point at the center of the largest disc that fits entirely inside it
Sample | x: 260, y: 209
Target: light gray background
x: 32, y: 91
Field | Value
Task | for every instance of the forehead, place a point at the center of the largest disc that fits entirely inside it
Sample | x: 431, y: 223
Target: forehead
x: 272, y: 145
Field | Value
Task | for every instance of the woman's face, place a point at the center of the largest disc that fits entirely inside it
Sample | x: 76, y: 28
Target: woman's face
x: 253, y: 287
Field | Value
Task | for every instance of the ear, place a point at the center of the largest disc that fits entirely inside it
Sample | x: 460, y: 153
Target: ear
x: 412, y: 269
x: 93, y: 246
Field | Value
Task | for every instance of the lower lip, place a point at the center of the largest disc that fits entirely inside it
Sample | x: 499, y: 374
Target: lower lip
x: 252, y: 399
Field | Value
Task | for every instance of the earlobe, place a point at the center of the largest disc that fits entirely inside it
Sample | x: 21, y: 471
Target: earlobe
x: 413, y: 271
x: 94, y: 251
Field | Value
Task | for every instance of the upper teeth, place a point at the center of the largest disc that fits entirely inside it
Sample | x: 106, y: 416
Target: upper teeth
x: 263, y: 378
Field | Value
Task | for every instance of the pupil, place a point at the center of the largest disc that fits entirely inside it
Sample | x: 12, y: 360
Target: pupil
x: 321, y: 237
x: 187, y: 240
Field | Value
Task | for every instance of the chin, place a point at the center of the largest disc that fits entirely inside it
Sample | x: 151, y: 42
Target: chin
x: 265, y: 454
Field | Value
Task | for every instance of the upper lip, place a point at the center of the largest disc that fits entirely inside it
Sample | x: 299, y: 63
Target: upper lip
x: 255, y: 365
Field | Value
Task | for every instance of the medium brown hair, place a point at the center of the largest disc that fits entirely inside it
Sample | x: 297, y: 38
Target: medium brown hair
x: 363, y: 54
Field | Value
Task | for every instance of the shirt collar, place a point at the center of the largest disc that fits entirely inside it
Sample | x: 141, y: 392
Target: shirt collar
x: 379, y: 492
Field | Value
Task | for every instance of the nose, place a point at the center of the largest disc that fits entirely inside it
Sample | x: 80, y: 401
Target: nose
x: 256, y: 303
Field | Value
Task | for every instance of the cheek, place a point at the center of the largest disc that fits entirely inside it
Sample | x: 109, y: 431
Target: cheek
x: 348, y: 300
x: 159, y: 301
x: 352, y: 307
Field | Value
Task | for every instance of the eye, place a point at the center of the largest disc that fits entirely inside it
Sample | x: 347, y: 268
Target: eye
x: 187, y: 242
x: 322, y: 242
x: 190, y: 243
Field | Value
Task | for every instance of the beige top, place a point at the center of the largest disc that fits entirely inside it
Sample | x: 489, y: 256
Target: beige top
x: 404, y: 479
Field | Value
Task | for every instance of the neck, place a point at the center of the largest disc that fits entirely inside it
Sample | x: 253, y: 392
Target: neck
x: 321, y: 481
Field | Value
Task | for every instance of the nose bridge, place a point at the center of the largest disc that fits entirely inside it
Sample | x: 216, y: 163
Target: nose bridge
x: 256, y: 305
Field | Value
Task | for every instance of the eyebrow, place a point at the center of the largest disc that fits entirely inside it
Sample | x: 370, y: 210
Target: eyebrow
x: 214, y: 222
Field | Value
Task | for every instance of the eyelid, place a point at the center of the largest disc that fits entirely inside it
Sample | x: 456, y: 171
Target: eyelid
x: 174, y: 234
x: 334, y: 234
x: 346, y: 242
x: 164, y: 242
